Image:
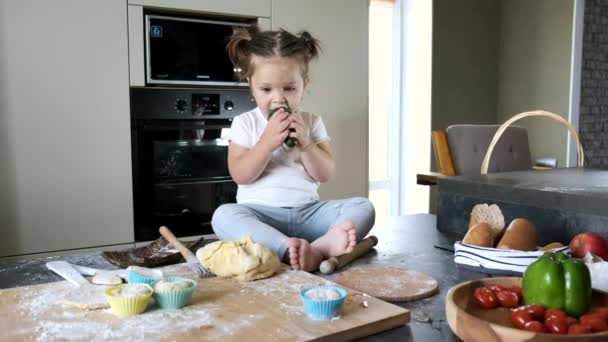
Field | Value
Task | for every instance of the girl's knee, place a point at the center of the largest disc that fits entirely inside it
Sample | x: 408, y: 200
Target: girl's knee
x: 364, y: 205
x: 221, y: 217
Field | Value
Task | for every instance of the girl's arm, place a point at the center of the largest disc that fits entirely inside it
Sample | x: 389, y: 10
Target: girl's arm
x: 319, y: 161
x: 247, y: 164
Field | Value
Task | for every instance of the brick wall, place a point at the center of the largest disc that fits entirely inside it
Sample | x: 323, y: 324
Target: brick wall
x: 593, y: 124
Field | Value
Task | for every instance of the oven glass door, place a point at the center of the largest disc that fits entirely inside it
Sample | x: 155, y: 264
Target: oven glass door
x: 180, y: 177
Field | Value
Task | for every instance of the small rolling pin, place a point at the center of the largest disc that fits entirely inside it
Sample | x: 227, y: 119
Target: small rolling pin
x: 334, y: 263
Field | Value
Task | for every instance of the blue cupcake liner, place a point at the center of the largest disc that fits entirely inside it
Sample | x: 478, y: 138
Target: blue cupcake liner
x: 175, y: 299
x: 136, y: 278
x: 323, y: 309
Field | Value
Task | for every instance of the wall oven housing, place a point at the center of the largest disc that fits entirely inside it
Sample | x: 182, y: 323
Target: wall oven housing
x: 180, y: 168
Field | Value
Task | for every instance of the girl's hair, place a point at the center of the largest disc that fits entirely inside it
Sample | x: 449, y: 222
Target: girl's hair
x: 247, y: 42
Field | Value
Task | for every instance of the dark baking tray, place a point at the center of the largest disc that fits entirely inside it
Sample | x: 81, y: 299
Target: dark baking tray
x: 157, y: 253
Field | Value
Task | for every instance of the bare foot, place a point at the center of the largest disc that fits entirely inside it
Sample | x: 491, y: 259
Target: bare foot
x: 340, y: 239
x: 303, y: 256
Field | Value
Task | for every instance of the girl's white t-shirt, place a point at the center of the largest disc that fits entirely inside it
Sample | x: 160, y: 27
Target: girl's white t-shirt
x: 284, y: 182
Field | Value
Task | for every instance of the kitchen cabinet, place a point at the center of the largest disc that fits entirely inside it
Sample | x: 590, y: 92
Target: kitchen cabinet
x: 64, y: 125
x: 246, y: 8
x: 339, y: 82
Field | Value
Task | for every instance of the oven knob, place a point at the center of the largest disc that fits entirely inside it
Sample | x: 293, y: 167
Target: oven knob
x: 180, y: 105
x: 229, y: 105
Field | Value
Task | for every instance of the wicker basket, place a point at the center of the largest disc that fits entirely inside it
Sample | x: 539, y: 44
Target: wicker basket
x: 579, y: 147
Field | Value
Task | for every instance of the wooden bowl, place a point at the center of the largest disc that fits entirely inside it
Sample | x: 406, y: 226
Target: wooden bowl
x: 472, y: 323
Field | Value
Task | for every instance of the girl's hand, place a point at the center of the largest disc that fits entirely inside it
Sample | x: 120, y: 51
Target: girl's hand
x: 276, y: 130
x: 302, y: 130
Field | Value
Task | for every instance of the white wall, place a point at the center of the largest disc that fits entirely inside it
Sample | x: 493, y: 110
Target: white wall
x: 338, y: 90
x: 534, y: 69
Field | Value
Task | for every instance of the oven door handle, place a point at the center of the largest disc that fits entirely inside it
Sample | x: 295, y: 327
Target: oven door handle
x: 174, y: 127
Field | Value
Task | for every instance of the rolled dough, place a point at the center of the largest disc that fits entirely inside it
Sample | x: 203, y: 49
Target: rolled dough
x: 242, y: 259
x: 88, y: 297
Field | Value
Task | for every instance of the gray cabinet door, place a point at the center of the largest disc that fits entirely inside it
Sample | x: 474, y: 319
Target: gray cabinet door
x: 64, y: 125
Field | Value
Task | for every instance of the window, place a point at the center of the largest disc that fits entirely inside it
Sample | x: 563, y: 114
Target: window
x: 380, y: 80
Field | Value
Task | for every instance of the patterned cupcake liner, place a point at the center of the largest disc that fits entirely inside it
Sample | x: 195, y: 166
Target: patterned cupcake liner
x: 127, y: 306
x: 175, y: 299
x: 323, y: 309
x: 135, y: 278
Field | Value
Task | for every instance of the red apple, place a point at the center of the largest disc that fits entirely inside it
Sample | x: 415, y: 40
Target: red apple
x: 589, y: 242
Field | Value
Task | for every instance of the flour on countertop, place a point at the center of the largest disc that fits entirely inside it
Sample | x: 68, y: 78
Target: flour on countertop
x: 54, y: 321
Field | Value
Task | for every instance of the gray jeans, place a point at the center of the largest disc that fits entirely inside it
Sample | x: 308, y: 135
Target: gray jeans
x: 272, y: 226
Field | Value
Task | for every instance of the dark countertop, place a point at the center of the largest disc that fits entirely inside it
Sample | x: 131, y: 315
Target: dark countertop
x: 565, y: 189
x: 405, y: 242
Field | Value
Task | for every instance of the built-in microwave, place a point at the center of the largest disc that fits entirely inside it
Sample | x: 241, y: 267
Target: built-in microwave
x: 189, y: 51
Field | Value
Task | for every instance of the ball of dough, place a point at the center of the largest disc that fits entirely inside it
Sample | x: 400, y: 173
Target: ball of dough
x: 242, y: 259
x: 132, y: 291
x: 164, y: 285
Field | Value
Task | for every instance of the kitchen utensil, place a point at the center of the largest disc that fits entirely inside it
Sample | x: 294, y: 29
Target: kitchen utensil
x: 191, y: 259
x: 102, y: 277
x: 157, y: 253
x: 334, y: 263
x: 472, y: 323
x: 389, y: 283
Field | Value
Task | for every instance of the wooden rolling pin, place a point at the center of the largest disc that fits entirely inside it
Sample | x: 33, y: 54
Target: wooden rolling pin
x: 334, y: 263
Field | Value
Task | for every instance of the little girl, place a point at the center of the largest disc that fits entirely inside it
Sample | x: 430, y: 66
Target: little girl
x: 277, y: 200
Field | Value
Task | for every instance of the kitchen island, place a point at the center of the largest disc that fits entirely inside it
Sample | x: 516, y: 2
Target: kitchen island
x: 409, y: 242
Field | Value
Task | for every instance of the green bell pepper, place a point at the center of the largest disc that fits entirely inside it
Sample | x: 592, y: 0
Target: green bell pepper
x: 555, y: 280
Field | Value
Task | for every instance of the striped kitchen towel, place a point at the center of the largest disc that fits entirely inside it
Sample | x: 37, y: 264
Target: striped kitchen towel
x: 496, y: 261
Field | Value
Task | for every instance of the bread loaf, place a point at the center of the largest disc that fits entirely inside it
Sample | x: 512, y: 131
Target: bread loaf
x: 551, y: 246
x: 489, y: 214
x: 480, y: 234
x: 520, y: 235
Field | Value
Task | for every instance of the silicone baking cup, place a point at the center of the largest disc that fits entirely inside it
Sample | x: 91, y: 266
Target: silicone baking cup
x: 175, y: 299
x: 127, y: 306
x: 323, y: 309
x: 135, y: 278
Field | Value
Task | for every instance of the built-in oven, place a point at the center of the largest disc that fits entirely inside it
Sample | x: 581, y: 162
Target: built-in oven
x: 180, y: 168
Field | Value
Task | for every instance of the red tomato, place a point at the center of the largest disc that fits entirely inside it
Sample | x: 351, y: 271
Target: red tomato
x: 496, y: 288
x: 578, y: 329
x: 535, y: 326
x: 485, y: 298
x: 536, y: 311
x: 519, y: 318
x: 556, y: 325
x: 601, y: 312
x: 507, y: 299
x: 571, y: 320
x: 517, y: 290
x: 555, y: 312
x: 594, y: 321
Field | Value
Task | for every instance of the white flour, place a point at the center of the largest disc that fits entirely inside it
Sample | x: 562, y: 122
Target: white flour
x: 44, y: 317
x: 52, y: 320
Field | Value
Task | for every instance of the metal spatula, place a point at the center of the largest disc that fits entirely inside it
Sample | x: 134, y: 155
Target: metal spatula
x: 191, y: 259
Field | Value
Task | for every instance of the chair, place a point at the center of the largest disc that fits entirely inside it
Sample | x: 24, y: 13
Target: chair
x: 468, y: 145
x: 460, y: 150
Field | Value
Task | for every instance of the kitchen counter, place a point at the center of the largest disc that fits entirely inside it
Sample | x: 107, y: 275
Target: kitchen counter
x: 410, y: 242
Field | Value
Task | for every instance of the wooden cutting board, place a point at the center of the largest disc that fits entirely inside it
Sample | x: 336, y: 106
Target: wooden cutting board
x: 221, y: 309
x: 389, y: 283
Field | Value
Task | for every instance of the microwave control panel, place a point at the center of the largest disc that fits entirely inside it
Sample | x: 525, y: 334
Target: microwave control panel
x: 162, y: 103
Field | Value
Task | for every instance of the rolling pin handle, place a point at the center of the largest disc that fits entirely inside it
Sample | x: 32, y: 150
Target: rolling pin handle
x: 328, y: 266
